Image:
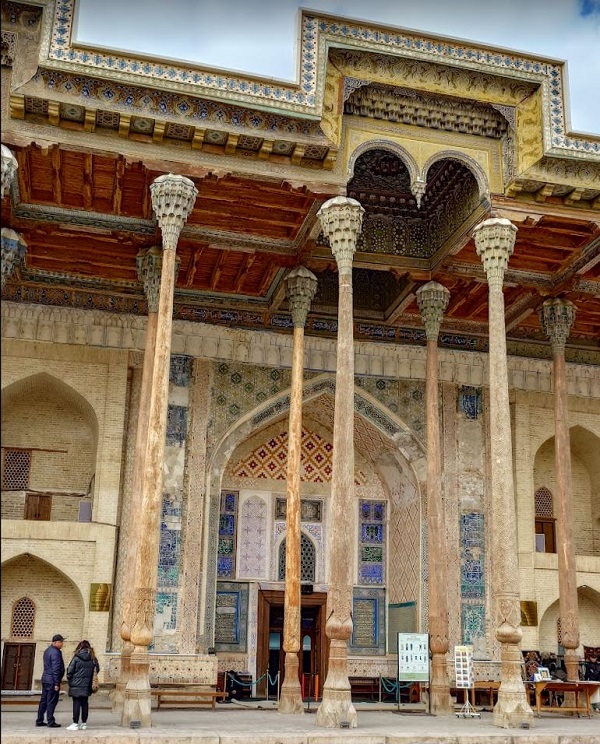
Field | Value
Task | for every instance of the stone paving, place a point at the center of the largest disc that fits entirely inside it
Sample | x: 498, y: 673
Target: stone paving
x: 260, y: 723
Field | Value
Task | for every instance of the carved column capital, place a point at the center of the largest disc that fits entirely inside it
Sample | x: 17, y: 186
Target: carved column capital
x: 432, y: 299
x: 9, y: 169
x: 495, y: 242
x: 173, y: 198
x: 13, y: 252
x: 341, y: 221
x: 556, y: 317
x: 149, y: 270
x: 301, y: 285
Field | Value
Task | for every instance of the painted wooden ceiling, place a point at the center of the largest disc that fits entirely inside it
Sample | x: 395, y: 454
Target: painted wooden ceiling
x: 86, y: 215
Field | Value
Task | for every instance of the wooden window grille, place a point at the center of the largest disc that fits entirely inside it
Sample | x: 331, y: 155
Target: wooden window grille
x: 16, y: 469
x: 23, y: 618
x: 308, y: 559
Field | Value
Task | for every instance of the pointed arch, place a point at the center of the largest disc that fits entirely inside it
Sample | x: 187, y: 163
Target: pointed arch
x: 475, y: 169
x: 383, y: 144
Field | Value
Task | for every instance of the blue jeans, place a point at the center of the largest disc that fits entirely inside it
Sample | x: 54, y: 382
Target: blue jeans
x: 48, y: 702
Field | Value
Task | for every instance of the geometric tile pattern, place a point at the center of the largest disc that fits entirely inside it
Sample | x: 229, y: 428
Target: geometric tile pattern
x: 405, y: 398
x: 269, y: 460
x: 253, y: 539
x: 404, y: 542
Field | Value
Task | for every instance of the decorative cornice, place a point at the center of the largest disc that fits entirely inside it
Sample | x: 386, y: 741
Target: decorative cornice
x: 123, y: 331
x: 319, y: 33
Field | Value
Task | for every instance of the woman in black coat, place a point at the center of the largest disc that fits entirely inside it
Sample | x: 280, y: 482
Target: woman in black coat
x: 80, y: 673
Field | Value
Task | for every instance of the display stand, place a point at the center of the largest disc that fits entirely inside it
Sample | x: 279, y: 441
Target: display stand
x: 463, y: 666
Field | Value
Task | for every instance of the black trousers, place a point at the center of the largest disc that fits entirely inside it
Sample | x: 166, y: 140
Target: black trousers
x: 80, y: 706
x: 48, y: 702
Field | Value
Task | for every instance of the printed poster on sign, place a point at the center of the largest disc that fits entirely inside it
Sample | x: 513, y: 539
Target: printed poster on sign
x: 413, y: 657
x: 463, y: 665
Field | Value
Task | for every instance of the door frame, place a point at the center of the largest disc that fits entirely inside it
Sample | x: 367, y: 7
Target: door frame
x: 269, y: 597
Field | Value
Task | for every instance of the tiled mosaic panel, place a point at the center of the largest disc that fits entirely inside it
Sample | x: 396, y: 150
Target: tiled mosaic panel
x: 469, y: 401
x: 180, y: 371
x: 472, y: 545
x: 371, y: 539
x: 231, y: 619
x: 472, y: 618
x: 404, y: 398
x: 170, y: 544
x: 166, y: 610
x: 253, y: 539
x: 239, y: 389
x: 176, y: 425
x: 269, y: 460
x: 227, y: 534
x: 368, y: 619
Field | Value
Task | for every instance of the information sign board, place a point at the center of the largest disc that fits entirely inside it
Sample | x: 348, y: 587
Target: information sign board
x: 413, y: 657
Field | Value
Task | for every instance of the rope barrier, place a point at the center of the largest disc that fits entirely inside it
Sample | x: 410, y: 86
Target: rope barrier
x: 272, y: 680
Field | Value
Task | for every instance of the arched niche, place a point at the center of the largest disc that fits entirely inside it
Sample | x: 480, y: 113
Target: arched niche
x: 585, y: 480
x: 58, y: 601
x: 392, y: 449
x: 588, y: 600
x: 59, y: 428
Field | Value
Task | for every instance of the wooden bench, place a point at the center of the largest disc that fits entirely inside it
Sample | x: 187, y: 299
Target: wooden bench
x: 23, y: 699
x: 489, y: 688
x: 183, y: 698
x: 364, y: 687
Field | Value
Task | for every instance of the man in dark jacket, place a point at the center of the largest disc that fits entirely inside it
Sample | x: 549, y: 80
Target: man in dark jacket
x: 54, y: 670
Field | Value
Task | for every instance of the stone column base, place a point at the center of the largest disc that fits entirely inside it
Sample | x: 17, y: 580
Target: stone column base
x: 512, y: 710
x: 290, y: 700
x: 336, y: 708
x: 137, y: 706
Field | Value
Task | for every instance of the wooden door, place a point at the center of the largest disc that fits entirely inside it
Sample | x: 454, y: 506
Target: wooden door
x: 270, y: 636
x: 38, y: 506
x: 17, y: 666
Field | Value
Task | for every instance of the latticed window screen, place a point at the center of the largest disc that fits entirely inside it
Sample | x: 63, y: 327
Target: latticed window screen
x: 23, y: 618
x: 543, y: 503
x: 17, y: 466
x: 307, y: 560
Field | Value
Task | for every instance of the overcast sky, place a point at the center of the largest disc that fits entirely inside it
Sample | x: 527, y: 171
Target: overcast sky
x: 260, y: 36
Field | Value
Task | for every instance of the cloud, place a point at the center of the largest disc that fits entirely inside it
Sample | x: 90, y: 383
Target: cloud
x: 589, y: 8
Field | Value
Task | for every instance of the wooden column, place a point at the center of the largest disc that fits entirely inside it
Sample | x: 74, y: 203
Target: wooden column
x: 494, y: 241
x: 556, y: 317
x: 341, y: 220
x: 433, y: 299
x: 149, y: 263
x: 172, y: 200
x: 301, y: 286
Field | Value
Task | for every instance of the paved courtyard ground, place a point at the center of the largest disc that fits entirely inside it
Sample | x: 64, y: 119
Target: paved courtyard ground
x: 260, y: 723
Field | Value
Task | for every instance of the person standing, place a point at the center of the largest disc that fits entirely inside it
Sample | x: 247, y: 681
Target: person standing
x: 80, y: 674
x: 54, y: 670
